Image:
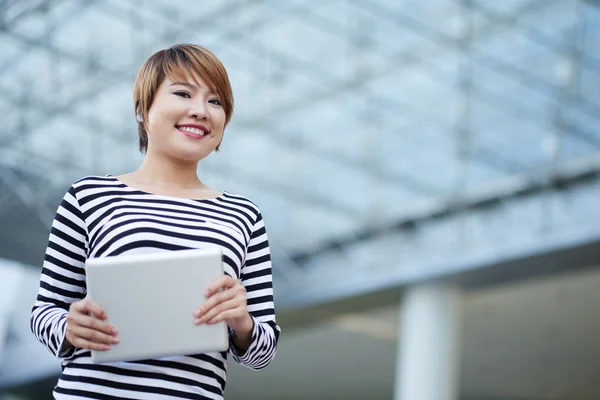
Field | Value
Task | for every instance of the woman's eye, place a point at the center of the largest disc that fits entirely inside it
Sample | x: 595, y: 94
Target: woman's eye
x: 183, y: 94
x: 215, y: 101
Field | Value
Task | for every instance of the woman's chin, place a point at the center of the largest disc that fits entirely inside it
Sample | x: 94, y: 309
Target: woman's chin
x: 189, y: 155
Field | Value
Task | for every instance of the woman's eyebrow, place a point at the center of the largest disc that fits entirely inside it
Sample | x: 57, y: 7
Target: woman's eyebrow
x: 184, y: 84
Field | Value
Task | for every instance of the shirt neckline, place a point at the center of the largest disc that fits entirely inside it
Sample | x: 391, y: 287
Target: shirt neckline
x: 221, y: 196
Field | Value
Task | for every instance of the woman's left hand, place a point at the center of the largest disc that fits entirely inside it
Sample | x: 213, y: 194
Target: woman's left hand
x: 226, y: 301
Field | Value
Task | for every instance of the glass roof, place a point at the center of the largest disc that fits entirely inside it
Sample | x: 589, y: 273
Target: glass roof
x: 348, y: 113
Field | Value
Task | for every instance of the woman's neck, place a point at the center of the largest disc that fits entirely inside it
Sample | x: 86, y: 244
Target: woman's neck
x: 166, y: 172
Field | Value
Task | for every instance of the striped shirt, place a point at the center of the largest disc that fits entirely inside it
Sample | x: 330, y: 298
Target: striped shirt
x: 102, y: 217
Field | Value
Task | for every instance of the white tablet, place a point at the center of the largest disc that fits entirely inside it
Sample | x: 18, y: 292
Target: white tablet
x: 151, y: 299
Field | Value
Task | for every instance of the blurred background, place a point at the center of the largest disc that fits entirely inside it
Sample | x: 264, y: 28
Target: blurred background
x: 429, y: 174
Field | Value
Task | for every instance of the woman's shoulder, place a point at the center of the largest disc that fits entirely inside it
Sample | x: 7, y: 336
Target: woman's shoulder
x: 240, y: 200
x: 93, y: 181
x: 94, y: 178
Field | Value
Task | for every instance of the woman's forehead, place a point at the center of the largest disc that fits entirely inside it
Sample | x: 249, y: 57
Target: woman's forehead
x: 188, y: 77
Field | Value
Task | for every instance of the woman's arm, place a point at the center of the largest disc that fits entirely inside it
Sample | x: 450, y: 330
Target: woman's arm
x: 246, y: 305
x: 62, y: 280
x: 257, y: 349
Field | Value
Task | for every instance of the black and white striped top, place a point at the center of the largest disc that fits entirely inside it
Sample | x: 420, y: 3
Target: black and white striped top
x: 100, y: 217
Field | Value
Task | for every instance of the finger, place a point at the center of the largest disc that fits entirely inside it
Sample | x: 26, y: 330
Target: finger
x: 224, y: 281
x: 91, y: 323
x: 219, y: 309
x: 93, y: 335
x: 227, y: 314
x: 214, y: 300
x: 86, y: 344
x: 89, y: 306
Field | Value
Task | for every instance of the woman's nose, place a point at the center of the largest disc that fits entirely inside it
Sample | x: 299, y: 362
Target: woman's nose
x: 198, y: 111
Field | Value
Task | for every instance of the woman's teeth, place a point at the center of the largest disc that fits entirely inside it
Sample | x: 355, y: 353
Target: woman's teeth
x: 195, y: 131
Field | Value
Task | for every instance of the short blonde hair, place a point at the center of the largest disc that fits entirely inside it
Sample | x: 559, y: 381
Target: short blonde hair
x: 175, y: 63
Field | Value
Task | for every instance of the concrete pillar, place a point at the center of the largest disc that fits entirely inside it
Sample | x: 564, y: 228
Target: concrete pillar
x: 428, y: 339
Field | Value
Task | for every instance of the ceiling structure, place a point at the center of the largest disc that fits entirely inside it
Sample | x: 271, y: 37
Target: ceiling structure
x: 353, y: 119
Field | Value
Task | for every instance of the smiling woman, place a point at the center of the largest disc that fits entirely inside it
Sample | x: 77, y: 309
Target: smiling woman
x: 183, y: 102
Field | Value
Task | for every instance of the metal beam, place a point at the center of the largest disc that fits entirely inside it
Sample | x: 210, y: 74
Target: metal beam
x: 535, y: 35
x: 395, y: 178
x: 463, y: 130
x: 518, y: 187
x: 27, y: 195
x: 569, y: 92
x: 8, y: 65
x: 294, y: 193
x: 560, y: 255
x: 50, y: 111
x: 110, y: 79
x: 42, y: 162
x: 284, y: 59
x: 58, y: 52
x: 512, y: 72
x: 330, y: 25
x: 27, y: 9
x: 407, y: 180
x: 110, y: 76
x: 593, y: 3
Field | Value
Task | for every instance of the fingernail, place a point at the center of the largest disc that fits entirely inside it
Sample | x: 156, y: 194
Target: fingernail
x: 115, y: 330
x: 116, y: 340
x: 197, y: 313
x: 106, y: 347
x: 198, y: 321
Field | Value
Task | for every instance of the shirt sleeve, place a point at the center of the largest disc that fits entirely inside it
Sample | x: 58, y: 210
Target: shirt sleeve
x: 62, y: 280
x: 256, y: 276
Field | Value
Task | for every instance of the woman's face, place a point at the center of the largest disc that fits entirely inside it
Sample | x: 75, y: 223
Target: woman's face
x: 186, y: 120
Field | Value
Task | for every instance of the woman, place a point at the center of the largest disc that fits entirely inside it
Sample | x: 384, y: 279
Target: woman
x: 183, y: 102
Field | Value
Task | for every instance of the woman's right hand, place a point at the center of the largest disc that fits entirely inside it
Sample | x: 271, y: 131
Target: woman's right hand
x: 86, y: 327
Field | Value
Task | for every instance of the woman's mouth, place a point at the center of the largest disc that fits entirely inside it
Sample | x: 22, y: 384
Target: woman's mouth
x: 193, y: 131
